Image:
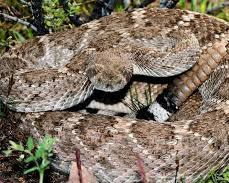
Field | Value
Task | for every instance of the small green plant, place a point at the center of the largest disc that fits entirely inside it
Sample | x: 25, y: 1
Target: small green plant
x: 36, y: 154
x: 119, y: 7
x: 140, y: 100
x: 56, y: 18
x: 203, y: 6
x: 216, y: 176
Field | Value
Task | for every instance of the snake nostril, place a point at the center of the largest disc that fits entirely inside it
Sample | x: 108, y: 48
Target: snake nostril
x: 99, y: 80
x: 109, y: 86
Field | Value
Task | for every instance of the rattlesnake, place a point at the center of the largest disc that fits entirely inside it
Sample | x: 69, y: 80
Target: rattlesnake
x: 60, y: 70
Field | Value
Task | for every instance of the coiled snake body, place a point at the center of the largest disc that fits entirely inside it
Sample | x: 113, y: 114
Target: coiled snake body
x: 61, y: 70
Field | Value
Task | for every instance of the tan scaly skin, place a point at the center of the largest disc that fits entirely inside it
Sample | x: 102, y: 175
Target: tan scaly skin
x: 60, y: 70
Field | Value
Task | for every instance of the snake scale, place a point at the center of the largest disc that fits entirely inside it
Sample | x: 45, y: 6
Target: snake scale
x: 48, y: 74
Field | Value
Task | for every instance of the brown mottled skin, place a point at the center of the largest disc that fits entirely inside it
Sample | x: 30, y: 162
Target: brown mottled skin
x: 60, y: 70
x: 64, y: 68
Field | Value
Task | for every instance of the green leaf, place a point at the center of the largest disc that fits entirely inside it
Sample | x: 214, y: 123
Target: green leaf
x: 44, y: 164
x: 119, y: 7
x: 182, y: 4
x: 15, y: 146
x: 30, y: 144
x: 31, y: 170
x: 48, y: 23
x: 18, y: 36
x: 221, y: 15
x: 47, y: 143
x: 29, y: 159
x: 7, y: 152
x: 203, y: 6
x: 21, y: 157
x: 29, y: 33
x: 38, y: 153
x: 193, y: 5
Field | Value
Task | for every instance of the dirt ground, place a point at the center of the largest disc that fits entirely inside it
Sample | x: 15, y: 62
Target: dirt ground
x: 11, y: 170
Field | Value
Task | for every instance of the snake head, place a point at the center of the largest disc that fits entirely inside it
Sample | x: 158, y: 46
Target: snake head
x: 109, y: 71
